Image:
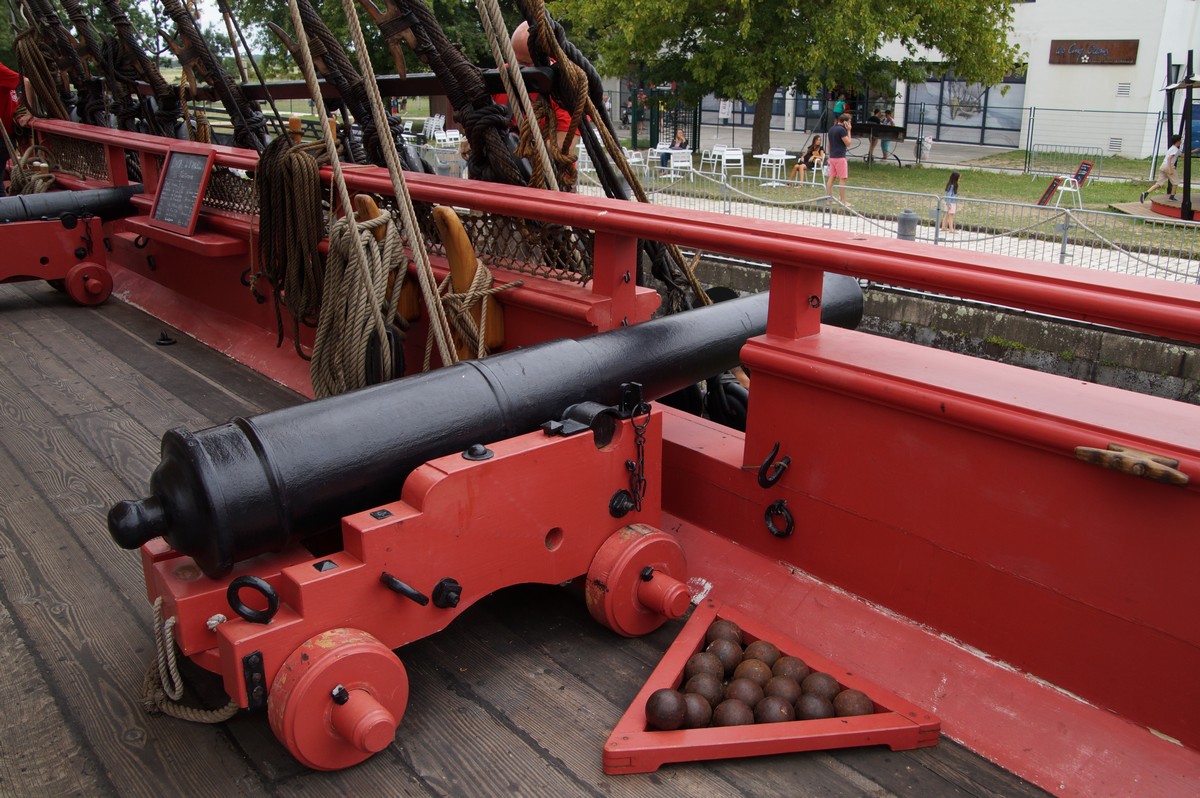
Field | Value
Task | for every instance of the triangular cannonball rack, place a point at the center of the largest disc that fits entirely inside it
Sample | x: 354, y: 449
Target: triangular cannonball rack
x: 632, y: 748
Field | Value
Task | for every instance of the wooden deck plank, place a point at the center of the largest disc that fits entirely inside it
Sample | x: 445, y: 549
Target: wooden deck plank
x: 40, y: 753
x: 76, y: 620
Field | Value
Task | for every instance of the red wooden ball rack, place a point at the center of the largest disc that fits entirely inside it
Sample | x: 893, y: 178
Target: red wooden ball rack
x: 633, y: 748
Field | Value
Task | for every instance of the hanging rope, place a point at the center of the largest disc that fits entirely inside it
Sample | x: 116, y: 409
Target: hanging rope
x: 438, y: 325
x: 162, y: 686
x: 288, y: 187
x: 348, y: 330
x: 26, y: 179
x: 32, y: 63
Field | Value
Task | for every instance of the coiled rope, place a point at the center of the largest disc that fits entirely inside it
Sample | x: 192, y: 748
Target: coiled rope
x: 352, y: 300
x: 287, y: 184
x: 162, y: 686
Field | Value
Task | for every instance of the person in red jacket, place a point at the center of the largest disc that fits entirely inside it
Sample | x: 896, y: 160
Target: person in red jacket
x: 520, y: 45
x: 8, y: 109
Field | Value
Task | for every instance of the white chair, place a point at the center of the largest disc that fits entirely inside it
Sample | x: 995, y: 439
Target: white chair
x: 636, y: 161
x: 441, y: 139
x: 816, y: 175
x: 733, y: 158
x: 453, y: 136
x: 679, y: 164
x: 1069, y: 185
x: 712, y: 158
x: 583, y: 162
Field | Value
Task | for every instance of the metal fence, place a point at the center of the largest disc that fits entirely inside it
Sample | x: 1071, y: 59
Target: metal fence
x: 1160, y: 248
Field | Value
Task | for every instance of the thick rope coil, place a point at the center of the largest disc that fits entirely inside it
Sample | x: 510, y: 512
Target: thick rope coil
x: 162, y: 686
x: 34, y: 65
x: 27, y: 181
x: 291, y: 219
x: 356, y: 306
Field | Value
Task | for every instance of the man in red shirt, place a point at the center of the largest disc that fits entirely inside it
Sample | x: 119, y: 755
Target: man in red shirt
x: 8, y: 108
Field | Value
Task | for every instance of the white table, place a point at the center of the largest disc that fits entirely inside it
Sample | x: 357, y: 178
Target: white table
x: 773, y: 165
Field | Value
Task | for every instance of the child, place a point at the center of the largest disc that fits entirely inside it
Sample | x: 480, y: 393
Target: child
x: 951, y: 202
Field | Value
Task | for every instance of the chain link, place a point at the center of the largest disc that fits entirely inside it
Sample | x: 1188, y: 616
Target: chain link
x: 637, y: 469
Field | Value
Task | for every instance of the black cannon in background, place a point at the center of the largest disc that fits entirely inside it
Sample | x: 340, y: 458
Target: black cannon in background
x: 253, y: 485
x: 105, y: 204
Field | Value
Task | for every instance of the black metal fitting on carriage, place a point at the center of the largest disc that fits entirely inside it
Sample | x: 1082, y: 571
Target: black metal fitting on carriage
x: 80, y: 253
x: 396, y: 586
x: 164, y: 339
x: 647, y: 573
x: 254, y: 676
x: 778, y: 509
x: 769, y: 474
x: 340, y: 694
x: 263, y: 588
x: 620, y: 504
x: 814, y: 301
x: 447, y: 593
x: 151, y: 264
x: 477, y: 451
x: 141, y: 242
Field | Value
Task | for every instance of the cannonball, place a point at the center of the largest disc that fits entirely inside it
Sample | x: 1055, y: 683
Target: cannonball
x: 761, y: 649
x: 722, y: 629
x: 703, y: 662
x: 732, y: 713
x: 707, y: 686
x: 821, y: 684
x: 745, y: 690
x: 852, y: 702
x: 755, y: 670
x: 784, y: 687
x: 666, y: 709
x: 791, y: 667
x: 811, y: 706
x: 699, y: 711
x: 773, y: 709
x: 729, y: 652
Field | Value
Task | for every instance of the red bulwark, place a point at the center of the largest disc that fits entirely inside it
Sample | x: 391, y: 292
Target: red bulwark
x: 632, y: 748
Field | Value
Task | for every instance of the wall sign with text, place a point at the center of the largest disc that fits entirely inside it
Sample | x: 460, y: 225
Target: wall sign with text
x: 1093, y: 51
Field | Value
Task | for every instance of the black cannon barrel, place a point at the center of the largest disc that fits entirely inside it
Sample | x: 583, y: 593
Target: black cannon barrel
x: 249, y: 486
x: 105, y: 203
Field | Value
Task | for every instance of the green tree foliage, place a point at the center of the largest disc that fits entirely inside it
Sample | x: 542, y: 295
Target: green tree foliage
x: 458, y: 18
x: 746, y: 49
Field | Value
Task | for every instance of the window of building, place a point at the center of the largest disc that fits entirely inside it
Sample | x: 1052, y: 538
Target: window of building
x: 950, y: 109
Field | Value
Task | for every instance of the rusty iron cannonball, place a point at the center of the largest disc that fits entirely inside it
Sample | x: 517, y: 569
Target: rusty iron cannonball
x: 729, y: 652
x: 699, y: 712
x: 853, y: 702
x: 755, y: 670
x: 764, y: 650
x: 722, y: 629
x: 784, y: 687
x: 707, y: 686
x: 811, y: 706
x: 744, y: 690
x: 773, y: 709
x: 821, y: 684
x: 733, y: 713
x: 703, y: 662
x: 665, y: 709
x: 791, y: 667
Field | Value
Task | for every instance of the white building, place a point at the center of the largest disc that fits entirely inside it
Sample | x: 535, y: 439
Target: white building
x: 1095, y: 73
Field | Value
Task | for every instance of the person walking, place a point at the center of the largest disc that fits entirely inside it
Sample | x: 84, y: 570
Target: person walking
x: 950, y: 202
x: 837, y: 165
x: 1166, y: 172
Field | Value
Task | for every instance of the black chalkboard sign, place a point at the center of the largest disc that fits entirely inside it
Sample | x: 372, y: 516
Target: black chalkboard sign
x: 184, y: 178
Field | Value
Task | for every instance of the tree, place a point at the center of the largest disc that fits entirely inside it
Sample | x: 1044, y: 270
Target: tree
x: 459, y: 20
x: 746, y: 49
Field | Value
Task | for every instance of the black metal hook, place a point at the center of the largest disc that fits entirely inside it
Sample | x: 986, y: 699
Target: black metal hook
x: 769, y: 474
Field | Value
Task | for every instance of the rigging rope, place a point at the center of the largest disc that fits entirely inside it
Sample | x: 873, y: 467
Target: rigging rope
x: 438, y: 325
x: 358, y: 258
x: 32, y: 63
x: 514, y: 85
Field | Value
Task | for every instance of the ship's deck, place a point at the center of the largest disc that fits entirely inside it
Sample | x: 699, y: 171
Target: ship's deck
x: 515, y: 698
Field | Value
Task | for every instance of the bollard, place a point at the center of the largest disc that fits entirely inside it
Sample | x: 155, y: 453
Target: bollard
x: 906, y: 225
